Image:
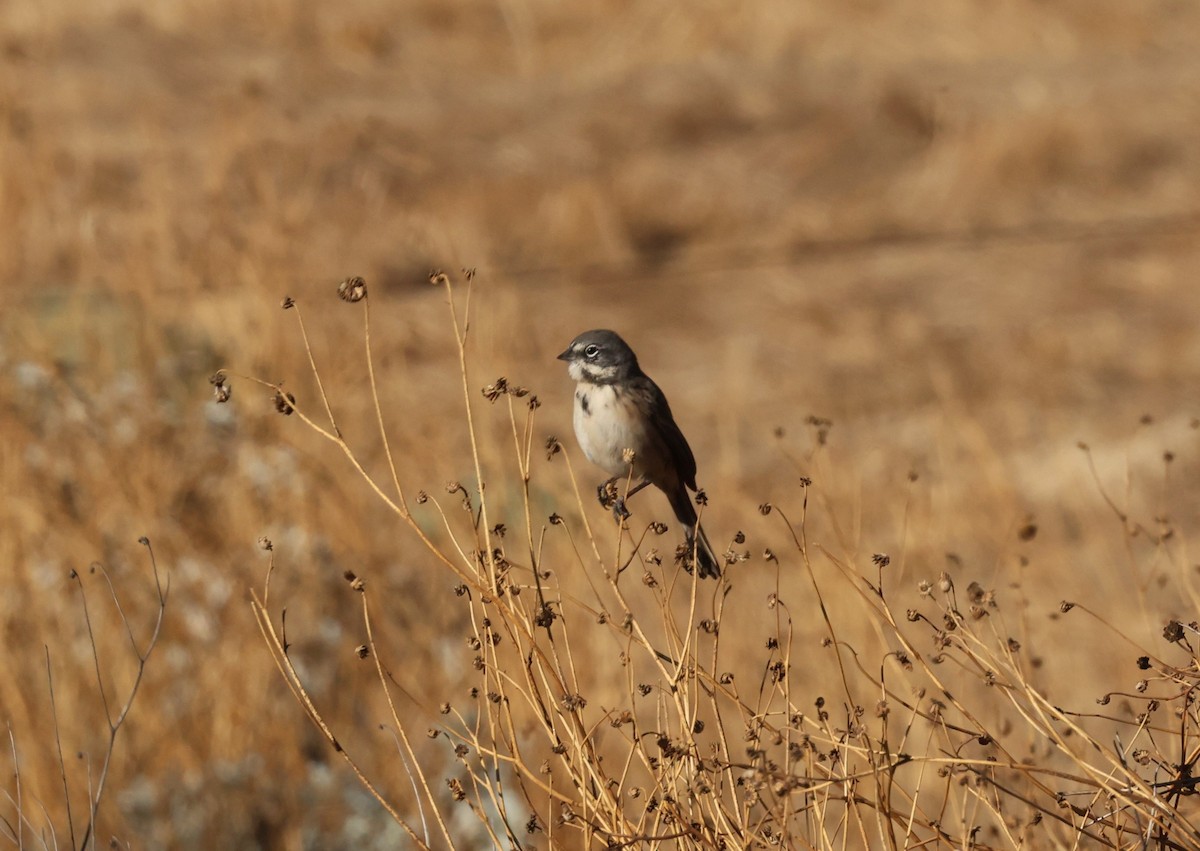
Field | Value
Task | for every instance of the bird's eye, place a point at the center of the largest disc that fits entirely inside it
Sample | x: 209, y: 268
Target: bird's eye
x: 591, y: 351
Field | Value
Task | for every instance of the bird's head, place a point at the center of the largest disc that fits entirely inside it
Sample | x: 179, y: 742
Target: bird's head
x: 599, y: 357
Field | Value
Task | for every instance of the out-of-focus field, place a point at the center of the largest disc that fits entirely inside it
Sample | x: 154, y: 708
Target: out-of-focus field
x: 965, y: 233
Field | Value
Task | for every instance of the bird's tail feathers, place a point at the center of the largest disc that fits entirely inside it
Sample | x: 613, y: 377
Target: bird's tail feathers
x: 707, y: 563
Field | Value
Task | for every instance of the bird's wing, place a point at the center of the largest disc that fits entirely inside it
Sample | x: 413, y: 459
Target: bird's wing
x: 668, y: 431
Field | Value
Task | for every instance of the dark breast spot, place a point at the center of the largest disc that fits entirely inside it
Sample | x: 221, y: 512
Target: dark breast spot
x: 583, y: 404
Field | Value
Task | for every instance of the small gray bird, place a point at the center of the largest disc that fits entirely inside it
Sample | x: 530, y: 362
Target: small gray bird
x: 618, y: 408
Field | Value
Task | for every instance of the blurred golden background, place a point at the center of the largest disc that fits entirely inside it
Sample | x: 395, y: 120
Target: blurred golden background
x: 964, y: 233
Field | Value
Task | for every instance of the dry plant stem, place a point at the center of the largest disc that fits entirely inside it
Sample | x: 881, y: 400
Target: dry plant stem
x: 279, y: 652
x: 337, y: 440
x: 460, y: 338
x: 18, y: 834
x: 387, y: 446
x: 412, y: 765
x: 62, y: 765
x: 316, y: 373
x: 115, y: 724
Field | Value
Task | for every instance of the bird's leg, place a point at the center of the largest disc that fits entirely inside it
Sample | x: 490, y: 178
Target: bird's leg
x: 619, y: 509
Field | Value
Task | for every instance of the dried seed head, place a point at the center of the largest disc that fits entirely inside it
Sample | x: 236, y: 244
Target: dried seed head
x: 627, y: 455
x: 764, y: 508
x: 571, y: 702
x: 881, y: 560
x: 221, y: 389
x: 977, y: 594
x: 544, y: 617
x: 285, y: 403
x: 822, y: 426
x: 701, y: 497
x: 352, y: 289
x: 362, y: 651
x: 264, y: 543
x: 496, y: 389
x: 288, y: 302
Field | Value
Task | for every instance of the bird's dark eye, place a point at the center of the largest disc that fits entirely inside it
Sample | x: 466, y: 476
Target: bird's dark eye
x: 591, y: 351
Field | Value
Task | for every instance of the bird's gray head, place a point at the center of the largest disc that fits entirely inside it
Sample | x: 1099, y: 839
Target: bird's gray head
x: 600, y: 357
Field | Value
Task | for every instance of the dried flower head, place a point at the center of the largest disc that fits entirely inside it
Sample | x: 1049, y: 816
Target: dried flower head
x: 221, y: 389
x: 352, y: 289
x: 496, y: 389
x: 285, y: 403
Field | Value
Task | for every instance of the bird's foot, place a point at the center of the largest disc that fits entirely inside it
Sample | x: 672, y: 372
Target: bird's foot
x: 620, y: 512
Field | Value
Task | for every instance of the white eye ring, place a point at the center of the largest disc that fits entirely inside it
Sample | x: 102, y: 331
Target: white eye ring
x: 591, y: 351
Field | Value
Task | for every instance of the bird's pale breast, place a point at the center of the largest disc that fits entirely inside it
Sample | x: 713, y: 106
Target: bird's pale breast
x: 606, y: 424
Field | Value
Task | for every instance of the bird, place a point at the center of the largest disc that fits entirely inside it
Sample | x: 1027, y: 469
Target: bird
x: 624, y: 426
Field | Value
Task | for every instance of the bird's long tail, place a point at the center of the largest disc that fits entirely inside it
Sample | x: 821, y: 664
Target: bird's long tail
x: 707, y: 563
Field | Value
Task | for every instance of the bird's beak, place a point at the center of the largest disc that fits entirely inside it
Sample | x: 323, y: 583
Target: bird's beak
x: 565, y: 355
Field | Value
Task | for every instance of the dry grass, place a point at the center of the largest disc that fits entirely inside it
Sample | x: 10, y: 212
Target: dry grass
x: 966, y: 236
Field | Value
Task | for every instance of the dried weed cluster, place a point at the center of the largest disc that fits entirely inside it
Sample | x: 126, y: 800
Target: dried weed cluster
x: 617, y: 702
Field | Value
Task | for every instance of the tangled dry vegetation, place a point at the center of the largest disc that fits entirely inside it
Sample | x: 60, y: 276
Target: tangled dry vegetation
x: 619, y: 702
